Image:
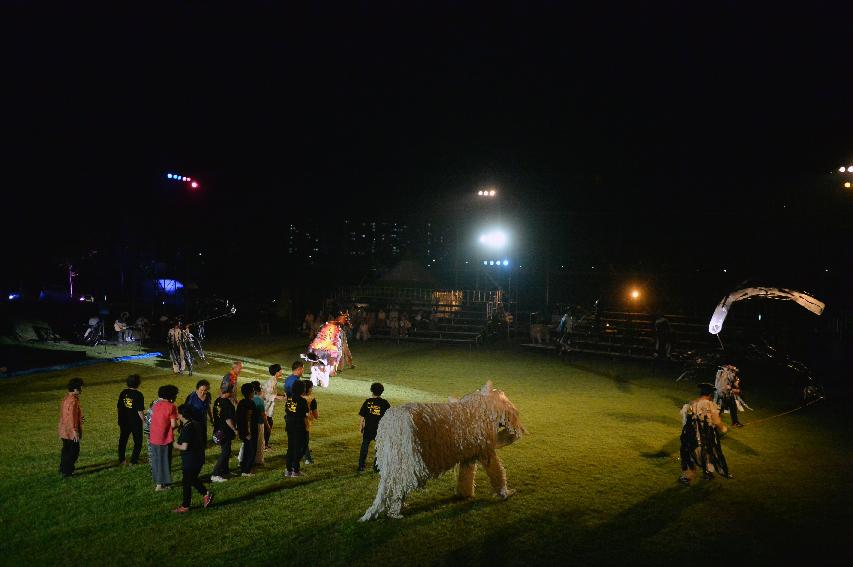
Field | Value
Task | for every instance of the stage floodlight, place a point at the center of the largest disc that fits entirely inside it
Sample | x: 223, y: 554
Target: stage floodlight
x: 194, y: 184
x: 841, y: 169
x: 491, y: 262
x: 492, y: 193
x: 635, y: 294
x: 485, y: 262
x: 506, y: 262
x: 494, y: 239
x: 847, y: 184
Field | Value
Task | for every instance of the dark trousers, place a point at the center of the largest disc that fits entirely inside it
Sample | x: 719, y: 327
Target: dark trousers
x: 729, y: 403
x: 306, y: 450
x: 365, y: 445
x: 296, y: 441
x: 250, y: 449
x: 191, y: 471
x: 68, y: 457
x: 221, y: 468
x: 268, y: 432
x: 125, y: 431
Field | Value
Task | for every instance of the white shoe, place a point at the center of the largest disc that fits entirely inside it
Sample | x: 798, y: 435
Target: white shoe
x: 217, y: 479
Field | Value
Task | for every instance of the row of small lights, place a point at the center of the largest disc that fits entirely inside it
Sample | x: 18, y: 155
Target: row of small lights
x: 176, y: 177
x: 495, y: 262
x: 486, y: 193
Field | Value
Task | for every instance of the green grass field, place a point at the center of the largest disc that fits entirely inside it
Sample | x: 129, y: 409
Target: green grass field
x: 596, y: 476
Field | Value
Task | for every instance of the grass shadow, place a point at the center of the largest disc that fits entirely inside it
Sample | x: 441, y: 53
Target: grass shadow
x: 273, y: 488
x: 570, y: 534
x: 670, y: 449
x: 96, y: 468
x: 636, y: 418
x: 728, y: 442
x: 676, y: 401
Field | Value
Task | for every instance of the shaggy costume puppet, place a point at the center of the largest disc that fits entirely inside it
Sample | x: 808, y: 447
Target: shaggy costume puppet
x: 416, y: 442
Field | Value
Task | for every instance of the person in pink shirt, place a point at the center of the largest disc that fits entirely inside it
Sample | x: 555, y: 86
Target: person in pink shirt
x: 164, y: 420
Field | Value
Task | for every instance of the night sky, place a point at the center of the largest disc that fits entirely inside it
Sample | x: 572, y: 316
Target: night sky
x: 692, y: 132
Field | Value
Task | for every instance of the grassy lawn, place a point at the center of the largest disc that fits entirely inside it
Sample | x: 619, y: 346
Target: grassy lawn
x: 596, y: 477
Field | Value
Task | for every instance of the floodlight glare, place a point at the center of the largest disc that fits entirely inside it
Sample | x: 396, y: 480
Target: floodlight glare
x: 480, y: 192
x: 841, y: 169
x: 494, y: 239
x: 492, y: 193
x: 169, y: 175
x: 847, y: 184
x: 635, y: 294
x: 194, y: 185
x: 506, y: 262
x: 491, y: 262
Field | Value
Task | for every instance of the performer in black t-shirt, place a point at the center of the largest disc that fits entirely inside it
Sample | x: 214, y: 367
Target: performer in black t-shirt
x: 371, y: 412
x: 224, y: 426
x: 296, y: 422
x: 191, y: 443
x: 130, y: 408
x: 247, y: 428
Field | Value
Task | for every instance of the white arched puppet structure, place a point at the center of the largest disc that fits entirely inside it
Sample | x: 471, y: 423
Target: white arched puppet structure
x: 802, y: 299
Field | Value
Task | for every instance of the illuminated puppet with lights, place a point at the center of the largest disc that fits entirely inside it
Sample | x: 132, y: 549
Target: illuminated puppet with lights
x: 330, y: 345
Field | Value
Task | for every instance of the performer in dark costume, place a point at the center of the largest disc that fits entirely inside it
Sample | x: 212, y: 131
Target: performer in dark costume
x: 700, y: 437
x: 728, y: 391
x: 186, y: 347
x: 346, y: 328
x: 176, y: 349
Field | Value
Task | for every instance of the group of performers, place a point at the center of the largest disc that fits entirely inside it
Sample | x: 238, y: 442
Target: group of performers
x: 182, y: 343
x: 702, y: 425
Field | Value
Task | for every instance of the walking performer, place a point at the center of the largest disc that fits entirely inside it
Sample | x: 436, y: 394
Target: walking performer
x: 328, y: 344
x: 700, y: 437
x: 185, y: 347
x: 176, y: 348
x: 727, y: 396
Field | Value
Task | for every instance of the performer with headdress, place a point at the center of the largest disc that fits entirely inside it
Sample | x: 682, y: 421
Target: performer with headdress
x: 727, y: 396
x: 700, y: 437
x: 175, y: 341
x: 346, y: 328
x: 186, y: 347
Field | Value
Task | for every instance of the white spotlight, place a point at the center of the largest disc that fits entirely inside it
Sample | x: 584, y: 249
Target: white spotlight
x: 494, y: 239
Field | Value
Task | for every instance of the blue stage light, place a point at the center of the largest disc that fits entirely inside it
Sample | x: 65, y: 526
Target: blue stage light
x: 491, y: 262
x: 485, y: 262
x: 506, y: 262
x: 169, y: 175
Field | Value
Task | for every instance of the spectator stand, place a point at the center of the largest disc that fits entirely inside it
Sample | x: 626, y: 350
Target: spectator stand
x: 447, y: 316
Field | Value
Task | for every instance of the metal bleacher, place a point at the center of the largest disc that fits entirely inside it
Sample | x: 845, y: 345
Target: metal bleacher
x: 628, y: 335
x: 464, y: 321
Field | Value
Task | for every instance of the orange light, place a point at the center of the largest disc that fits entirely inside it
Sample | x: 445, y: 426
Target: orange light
x: 847, y: 184
x: 635, y: 294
